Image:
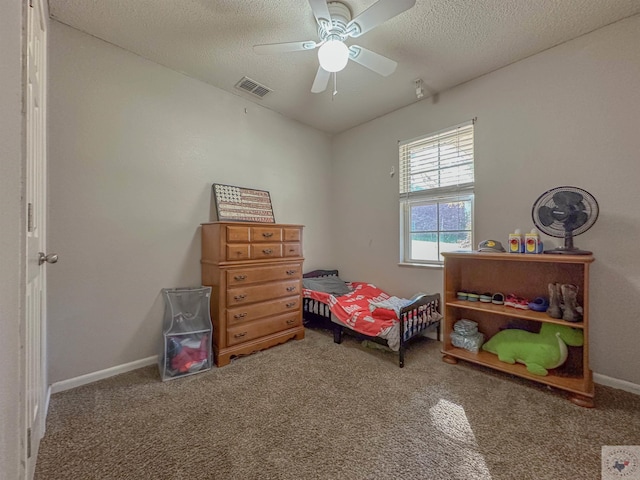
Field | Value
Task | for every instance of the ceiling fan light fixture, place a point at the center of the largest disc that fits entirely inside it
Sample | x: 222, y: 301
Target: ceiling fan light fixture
x: 333, y: 55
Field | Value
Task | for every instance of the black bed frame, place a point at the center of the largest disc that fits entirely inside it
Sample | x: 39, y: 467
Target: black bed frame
x: 415, y: 315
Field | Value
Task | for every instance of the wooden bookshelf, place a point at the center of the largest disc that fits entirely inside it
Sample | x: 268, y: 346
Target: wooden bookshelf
x: 528, y: 276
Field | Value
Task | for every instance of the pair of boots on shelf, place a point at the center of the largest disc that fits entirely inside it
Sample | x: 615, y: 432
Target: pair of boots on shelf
x: 563, y: 302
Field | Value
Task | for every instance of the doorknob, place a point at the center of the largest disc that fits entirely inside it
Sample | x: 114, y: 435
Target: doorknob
x: 51, y: 258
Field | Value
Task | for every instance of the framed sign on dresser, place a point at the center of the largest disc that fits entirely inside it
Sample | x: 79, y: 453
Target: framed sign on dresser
x: 255, y: 271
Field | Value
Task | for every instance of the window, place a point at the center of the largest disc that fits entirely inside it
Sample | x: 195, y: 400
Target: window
x: 436, y: 195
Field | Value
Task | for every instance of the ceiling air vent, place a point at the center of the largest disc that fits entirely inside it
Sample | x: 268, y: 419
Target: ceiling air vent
x: 252, y: 87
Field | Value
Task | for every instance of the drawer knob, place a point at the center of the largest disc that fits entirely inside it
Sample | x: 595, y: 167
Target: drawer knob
x: 267, y: 234
x: 291, y: 272
x: 291, y: 321
x: 240, y: 277
x: 240, y: 315
x: 240, y: 297
x: 291, y: 289
x: 290, y: 304
x: 267, y: 251
x: 239, y: 335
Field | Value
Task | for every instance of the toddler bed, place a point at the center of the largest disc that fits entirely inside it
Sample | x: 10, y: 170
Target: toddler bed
x: 367, y: 310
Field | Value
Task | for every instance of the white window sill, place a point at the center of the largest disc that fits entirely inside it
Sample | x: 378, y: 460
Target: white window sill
x: 421, y: 265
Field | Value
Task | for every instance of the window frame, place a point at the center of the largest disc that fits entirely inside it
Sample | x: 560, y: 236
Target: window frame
x: 459, y: 191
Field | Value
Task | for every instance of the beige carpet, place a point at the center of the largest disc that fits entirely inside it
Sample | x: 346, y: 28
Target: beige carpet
x: 312, y: 409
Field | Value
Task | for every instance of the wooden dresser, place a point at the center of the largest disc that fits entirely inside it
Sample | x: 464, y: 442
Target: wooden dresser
x: 255, y: 271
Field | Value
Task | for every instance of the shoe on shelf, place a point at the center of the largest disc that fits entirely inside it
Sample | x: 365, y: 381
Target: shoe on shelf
x: 515, y: 301
x: 523, y: 303
x: 511, y: 300
x: 571, y: 311
x: 539, y: 304
x: 473, y: 296
x: 497, y: 299
x: 555, y: 301
x: 485, y: 297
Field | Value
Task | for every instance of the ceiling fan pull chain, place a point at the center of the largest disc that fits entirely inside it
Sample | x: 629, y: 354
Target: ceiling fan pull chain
x: 335, y: 85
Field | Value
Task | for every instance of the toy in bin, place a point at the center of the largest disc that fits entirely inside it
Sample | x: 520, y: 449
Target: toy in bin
x: 183, y: 358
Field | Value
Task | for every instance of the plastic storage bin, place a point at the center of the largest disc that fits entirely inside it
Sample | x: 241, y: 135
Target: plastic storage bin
x: 186, y: 346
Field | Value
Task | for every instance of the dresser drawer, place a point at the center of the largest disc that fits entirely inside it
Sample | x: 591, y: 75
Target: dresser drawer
x: 266, y: 250
x: 237, y: 234
x: 260, y: 328
x: 255, y: 311
x: 258, y: 251
x: 292, y: 234
x: 259, y: 293
x: 244, y: 276
x: 292, y: 250
x: 238, y: 251
x: 266, y: 234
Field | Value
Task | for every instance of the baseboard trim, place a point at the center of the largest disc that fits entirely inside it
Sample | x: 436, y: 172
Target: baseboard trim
x: 145, y: 362
x: 615, y: 383
x: 101, y: 375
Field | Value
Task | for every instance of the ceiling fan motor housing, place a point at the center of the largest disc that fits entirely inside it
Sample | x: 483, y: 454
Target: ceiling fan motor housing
x: 340, y: 17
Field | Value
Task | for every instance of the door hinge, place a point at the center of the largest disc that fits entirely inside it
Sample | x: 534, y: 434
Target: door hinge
x: 29, y: 217
x: 28, y: 443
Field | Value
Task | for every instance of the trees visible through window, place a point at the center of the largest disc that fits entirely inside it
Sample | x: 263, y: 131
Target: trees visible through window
x: 436, y: 194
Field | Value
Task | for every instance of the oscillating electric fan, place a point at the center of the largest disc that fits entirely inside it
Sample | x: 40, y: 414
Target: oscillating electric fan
x: 564, y: 212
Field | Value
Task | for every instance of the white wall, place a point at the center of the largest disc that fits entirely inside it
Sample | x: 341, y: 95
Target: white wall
x: 567, y: 116
x: 11, y: 237
x: 134, y: 148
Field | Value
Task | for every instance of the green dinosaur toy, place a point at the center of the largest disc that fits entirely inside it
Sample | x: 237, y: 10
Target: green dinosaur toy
x: 538, y: 351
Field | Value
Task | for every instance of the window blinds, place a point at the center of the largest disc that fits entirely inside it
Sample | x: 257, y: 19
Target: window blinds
x: 439, y: 164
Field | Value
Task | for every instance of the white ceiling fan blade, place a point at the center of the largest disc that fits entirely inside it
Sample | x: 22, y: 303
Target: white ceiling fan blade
x: 320, y: 10
x: 271, y: 48
x: 372, y: 60
x: 379, y: 12
x: 321, y: 81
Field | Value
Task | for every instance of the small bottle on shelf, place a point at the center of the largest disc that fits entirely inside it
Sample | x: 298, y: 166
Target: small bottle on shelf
x: 516, y: 242
x: 532, y: 241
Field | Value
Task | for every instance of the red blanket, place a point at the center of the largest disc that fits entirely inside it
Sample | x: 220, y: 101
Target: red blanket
x: 353, y: 308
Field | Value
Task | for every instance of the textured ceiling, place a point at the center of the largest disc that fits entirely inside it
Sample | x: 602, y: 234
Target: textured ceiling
x: 443, y: 42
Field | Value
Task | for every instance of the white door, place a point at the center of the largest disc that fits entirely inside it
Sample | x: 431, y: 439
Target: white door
x: 33, y: 373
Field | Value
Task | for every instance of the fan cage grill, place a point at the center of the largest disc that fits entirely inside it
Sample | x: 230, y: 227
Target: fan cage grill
x: 557, y: 228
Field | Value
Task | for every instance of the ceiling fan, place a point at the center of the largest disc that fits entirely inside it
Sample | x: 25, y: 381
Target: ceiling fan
x: 335, y: 25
